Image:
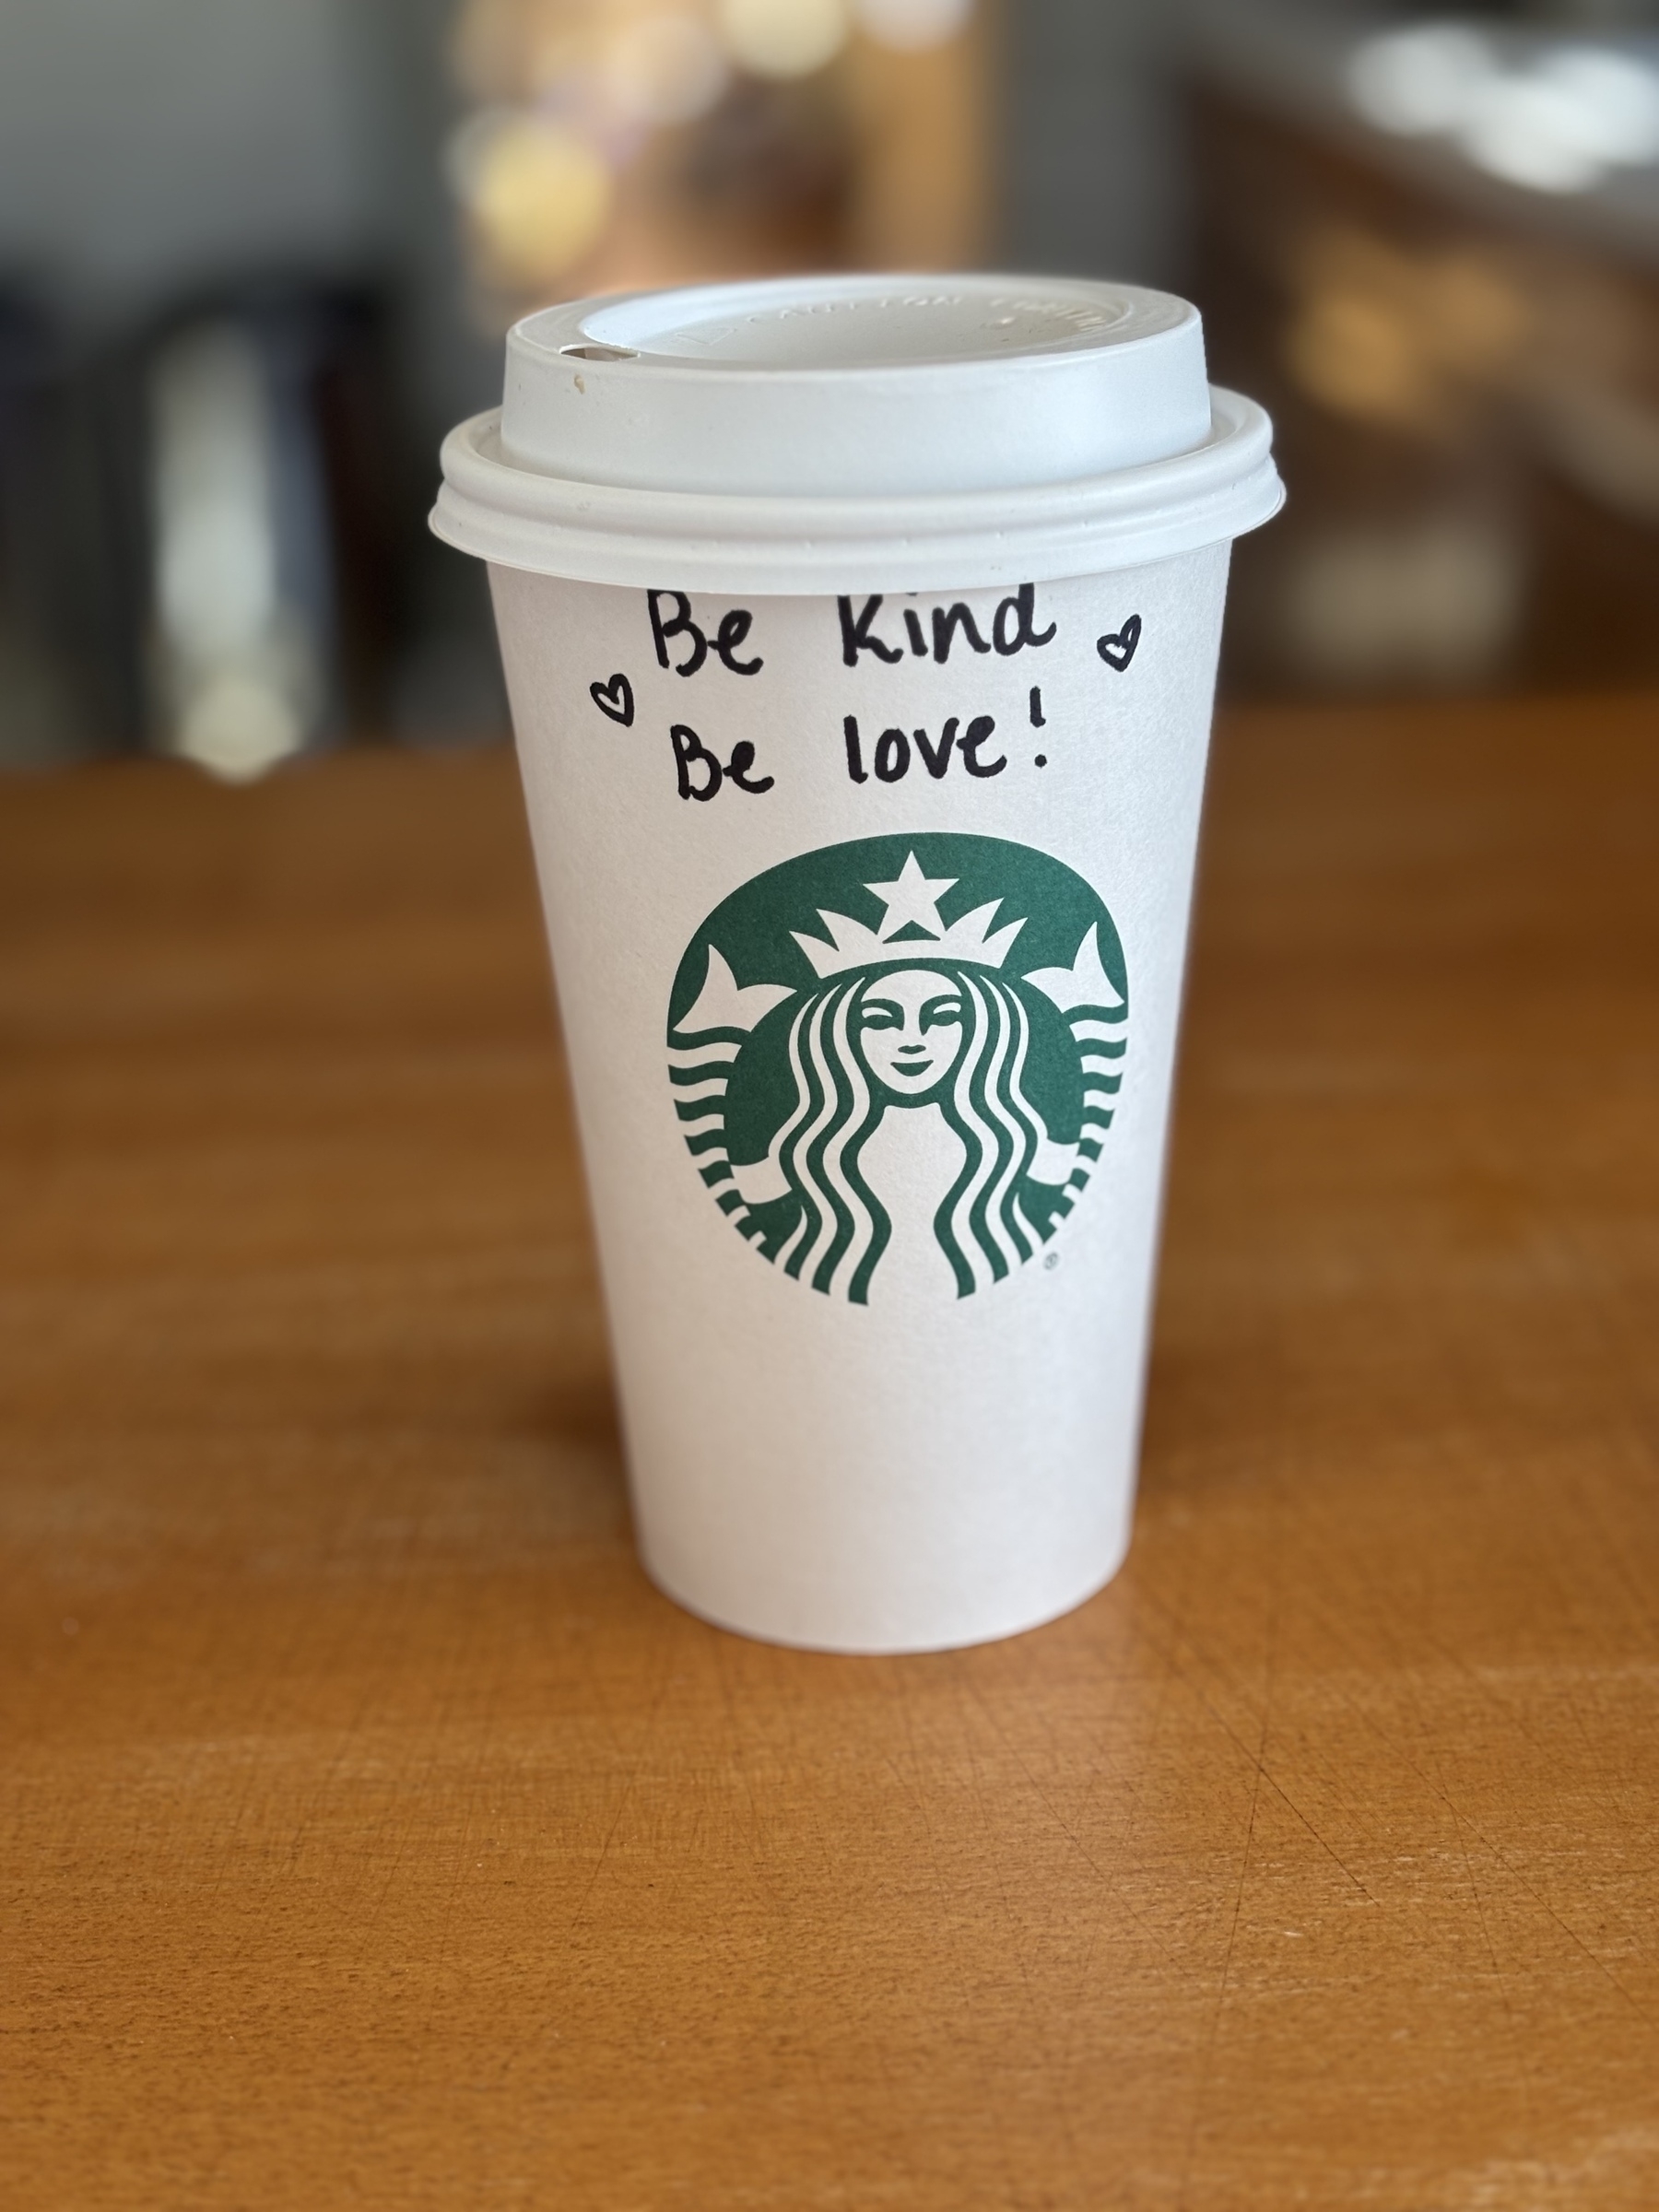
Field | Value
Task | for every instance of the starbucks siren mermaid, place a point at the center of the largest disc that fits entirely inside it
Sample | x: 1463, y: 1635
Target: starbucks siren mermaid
x: 1004, y: 1075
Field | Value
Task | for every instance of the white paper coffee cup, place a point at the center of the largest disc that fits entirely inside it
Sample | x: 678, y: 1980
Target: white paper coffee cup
x: 861, y: 636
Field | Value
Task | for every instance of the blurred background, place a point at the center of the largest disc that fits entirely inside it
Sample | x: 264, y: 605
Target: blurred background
x: 257, y: 255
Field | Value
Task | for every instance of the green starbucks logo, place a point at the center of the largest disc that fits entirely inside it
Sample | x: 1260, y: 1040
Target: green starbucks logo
x: 901, y: 1051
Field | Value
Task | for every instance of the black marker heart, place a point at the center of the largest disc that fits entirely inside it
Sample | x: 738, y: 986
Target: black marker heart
x: 614, y: 699
x: 1117, y: 647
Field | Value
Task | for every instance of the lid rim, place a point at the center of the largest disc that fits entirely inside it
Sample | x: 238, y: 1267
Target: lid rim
x: 518, y: 517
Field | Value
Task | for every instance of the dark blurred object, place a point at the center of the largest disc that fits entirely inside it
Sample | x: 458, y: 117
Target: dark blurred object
x: 196, y: 529
x: 773, y: 165
x: 1458, y: 337
x: 69, y: 683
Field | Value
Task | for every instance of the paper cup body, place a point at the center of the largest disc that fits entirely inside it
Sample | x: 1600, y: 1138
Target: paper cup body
x: 866, y: 828
x: 939, y: 1447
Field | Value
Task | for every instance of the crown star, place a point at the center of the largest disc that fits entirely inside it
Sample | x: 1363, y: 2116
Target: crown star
x: 912, y: 897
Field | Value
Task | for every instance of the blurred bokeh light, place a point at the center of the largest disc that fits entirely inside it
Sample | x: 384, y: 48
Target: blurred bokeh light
x: 616, y: 143
x: 1556, y: 119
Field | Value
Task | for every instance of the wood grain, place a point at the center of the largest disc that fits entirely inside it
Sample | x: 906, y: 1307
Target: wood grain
x: 374, y: 1835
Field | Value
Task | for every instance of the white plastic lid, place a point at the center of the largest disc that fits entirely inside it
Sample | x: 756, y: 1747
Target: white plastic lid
x: 845, y: 432
x: 856, y: 385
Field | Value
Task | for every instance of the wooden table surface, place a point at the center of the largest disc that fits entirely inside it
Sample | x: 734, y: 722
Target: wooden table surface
x: 373, y: 1834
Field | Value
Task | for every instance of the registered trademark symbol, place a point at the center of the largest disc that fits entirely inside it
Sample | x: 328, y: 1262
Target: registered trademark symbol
x: 1052, y: 1260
